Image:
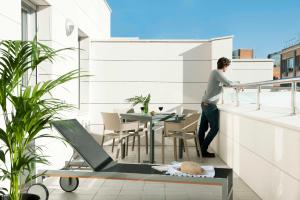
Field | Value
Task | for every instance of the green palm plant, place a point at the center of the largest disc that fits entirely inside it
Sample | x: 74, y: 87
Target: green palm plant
x: 33, y: 109
x: 142, y: 100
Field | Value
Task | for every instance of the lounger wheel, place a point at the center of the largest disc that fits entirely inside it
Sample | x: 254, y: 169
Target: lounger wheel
x: 68, y: 184
x: 40, y: 190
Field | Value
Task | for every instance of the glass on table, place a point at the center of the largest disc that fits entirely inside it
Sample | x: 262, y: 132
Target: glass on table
x: 160, y: 108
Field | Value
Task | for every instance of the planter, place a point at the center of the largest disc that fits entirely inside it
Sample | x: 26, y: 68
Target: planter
x: 146, y: 108
x: 25, y: 196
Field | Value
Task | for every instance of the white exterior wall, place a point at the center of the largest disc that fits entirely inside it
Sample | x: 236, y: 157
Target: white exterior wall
x: 169, y: 70
x: 262, y: 148
x: 174, y: 72
x: 92, y: 17
x: 251, y: 70
x: 10, y: 19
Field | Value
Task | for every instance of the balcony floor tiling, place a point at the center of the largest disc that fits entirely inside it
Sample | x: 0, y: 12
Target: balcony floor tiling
x: 95, y: 189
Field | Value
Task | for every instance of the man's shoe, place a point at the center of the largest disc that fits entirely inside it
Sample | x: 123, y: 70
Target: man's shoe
x: 206, y: 154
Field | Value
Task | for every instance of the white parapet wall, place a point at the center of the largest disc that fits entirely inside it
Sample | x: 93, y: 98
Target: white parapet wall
x: 174, y: 72
x: 263, y: 149
x: 251, y: 70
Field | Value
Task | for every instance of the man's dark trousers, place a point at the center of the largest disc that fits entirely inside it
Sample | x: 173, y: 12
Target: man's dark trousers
x: 209, y: 118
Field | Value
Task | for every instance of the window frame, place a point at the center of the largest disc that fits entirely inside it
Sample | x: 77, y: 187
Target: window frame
x: 28, y: 30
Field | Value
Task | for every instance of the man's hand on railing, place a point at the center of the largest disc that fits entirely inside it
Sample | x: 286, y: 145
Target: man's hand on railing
x: 239, y: 89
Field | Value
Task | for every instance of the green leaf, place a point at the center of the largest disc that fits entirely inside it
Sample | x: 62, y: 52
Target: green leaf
x: 33, y: 107
x: 2, y: 156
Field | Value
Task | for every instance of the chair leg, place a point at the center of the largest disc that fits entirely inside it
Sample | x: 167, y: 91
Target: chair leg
x: 113, y: 146
x: 119, y: 147
x: 133, y: 143
x: 127, y: 141
x: 199, y: 148
x: 102, y: 142
x: 146, y: 141
x: 186, y: 149
x: 139, y: 148
x: 196, y: 145
x: 163, y: 147
x: 175, y: 148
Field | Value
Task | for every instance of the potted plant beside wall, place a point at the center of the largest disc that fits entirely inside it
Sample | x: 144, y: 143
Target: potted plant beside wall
x: 26, y: 111
x: 141, y: 100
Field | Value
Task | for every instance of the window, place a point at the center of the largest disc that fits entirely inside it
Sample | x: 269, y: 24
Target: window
x: 284, y: 67
x: 297, y: 61
x: 290, y: 64
x: 28, y: 24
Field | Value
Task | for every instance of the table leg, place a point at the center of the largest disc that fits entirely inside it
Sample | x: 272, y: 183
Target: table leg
x: 151, y: 154
x: 180, y: 149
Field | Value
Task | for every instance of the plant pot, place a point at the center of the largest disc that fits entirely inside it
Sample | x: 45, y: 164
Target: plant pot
x: 146, y: 108
x: 25, y: 196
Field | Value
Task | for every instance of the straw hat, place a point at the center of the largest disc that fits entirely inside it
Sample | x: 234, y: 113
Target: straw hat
x: 191, y: 168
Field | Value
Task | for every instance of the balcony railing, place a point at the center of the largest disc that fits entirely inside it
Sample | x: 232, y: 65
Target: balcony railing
x: 259, y: 85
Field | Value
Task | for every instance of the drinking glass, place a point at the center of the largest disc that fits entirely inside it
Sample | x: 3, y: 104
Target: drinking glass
x: 160, y: 108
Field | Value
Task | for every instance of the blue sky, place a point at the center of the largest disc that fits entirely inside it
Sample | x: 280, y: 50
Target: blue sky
x: 263, y: 25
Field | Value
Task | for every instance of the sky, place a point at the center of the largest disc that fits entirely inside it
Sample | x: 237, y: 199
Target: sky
x: 263, y: 25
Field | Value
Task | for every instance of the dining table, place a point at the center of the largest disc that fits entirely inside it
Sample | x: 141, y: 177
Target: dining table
x: 153, y: 120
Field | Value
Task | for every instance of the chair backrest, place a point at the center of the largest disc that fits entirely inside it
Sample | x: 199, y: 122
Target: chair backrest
x: 111, y: 121
x: 188, y: 125
x: 188, y: 111
x: 131, y: 110
x: 191, y: 122
x: 83, y: 143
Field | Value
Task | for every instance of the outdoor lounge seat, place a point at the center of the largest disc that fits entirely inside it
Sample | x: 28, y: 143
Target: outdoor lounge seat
x: 103, y: 167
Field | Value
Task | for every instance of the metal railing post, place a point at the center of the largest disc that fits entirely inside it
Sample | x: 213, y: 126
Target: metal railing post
x: 258, y: 85
x: 222, y: 98
x: 293, y: 98
x: 258, y: 97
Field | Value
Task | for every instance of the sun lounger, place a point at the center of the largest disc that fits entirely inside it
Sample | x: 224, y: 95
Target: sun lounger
x: 103, y: 167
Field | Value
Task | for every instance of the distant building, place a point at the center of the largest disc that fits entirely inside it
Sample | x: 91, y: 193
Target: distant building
x: 242, y: 53
x: 290, y: 61
x: 276, y: 56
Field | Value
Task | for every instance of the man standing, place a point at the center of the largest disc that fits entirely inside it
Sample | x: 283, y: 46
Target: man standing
x: 210, y: 113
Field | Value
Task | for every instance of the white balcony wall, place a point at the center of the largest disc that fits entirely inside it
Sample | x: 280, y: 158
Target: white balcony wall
x: 174, y: 72
x: 221, y: 47
x: 262, y: 147
x: 251, y: 70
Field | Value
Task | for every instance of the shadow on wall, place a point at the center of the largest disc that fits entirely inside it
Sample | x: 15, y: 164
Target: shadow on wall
x: 196, y: 67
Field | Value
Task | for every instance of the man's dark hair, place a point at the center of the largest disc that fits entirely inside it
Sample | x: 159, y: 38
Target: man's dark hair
x: 223, y: 62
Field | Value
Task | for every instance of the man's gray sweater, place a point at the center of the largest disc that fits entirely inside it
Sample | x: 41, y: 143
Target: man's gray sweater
x: 214, y: 88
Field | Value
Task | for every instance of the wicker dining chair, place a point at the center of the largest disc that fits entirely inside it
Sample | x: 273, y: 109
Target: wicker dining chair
x: 184, y: 130
x: 114, y: 128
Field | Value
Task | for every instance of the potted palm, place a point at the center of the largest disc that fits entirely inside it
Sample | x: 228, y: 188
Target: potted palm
x: 141, y: 100
x: 27, y: 110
